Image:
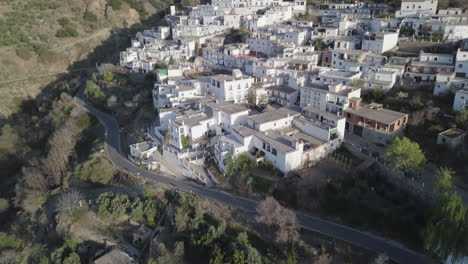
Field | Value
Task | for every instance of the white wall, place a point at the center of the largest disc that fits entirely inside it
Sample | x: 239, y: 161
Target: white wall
x: 460, y: 101
x: 461, y: 65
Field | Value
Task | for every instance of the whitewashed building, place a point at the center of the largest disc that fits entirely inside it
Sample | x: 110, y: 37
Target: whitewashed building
x: 460, y: 102
x: 233, y: 88
x: 380, y: 42
x: 285, y: 138
x: 417, y: 8
x: 332, y: 98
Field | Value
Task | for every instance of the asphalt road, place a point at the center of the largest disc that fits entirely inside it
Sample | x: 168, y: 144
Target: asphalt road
x: 371, y: 242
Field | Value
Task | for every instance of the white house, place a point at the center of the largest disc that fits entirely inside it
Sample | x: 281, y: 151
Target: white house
x: 427, y: 66
x: 188, y: 129
x: 345, y: 43
x: 461, y: 65
x: 283, y: 95
x: 460, y: 102
x: 231, y: 88
x: 143, y: 150
x: 333, y: 98
x: 416, y: 8
x: 226, y: 115
x: 380, y: 42
x: 334, y: 76
x: 379, y: 79
x: 285, y: 138
x: 172, y: 71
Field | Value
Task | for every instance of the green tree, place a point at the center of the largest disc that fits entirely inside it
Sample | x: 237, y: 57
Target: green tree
x: 179, y: 250
x: 291, y: 257
x: 217, y: 256
x: 93, y: 91
x: 4, y: 205
x: 319, y: 45
x: 377, y: 94
x: 66, y: 32
x: 171, y: 61
x: 73, y: 258
x: 184, y: 140
x: 150, y: 221
x: 236, y: 35
x: 84, y: 121
x: 403, y: 154
x: 446, y: 234
x: 251, y: 99
x: 9, y: 241
x: 261, y: 12
x: 197, y: 49
x: 63, y: 21
x: 263, y: 99
x: 96, y: 169
x: 160, y: 65
x: 236, y: 163
x: 238, y: 257
x: 115, y: 4
x: 462, y: 119
x: 109, y: 77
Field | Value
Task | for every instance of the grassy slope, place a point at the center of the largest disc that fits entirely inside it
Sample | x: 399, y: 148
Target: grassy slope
x: 29, y: 45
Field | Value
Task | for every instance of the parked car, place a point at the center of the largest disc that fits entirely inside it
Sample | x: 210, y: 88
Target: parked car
x: 261, y: 107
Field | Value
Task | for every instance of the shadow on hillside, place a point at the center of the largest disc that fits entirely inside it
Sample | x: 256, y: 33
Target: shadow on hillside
x: 35, y: 134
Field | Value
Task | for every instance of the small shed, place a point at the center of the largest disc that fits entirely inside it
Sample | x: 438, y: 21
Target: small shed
x: 141, y: 235
x: 453, y: 138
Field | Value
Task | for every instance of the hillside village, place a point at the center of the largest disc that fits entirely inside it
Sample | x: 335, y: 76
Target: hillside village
x: 235, y: 132
x: 288, y: 92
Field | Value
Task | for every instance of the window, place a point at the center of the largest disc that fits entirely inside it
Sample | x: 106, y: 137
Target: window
x: 268, y: 148
x: 273, y: 151
x: 181, y: 130
x: 460, y: 65
x: 263, y: 145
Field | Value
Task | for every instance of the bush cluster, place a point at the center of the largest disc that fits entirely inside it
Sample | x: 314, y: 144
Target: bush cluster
x: 67, y: 31
x: 119, y: 205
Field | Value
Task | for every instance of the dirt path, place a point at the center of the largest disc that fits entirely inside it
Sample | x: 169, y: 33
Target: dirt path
x: 95, y: 35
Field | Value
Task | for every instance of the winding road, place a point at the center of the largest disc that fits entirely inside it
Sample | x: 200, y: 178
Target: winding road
x: 365, y: 240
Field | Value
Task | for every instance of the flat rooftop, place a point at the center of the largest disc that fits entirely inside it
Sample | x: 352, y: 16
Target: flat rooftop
x: 191, y: 121
x: 381, y: 115
x: 224, y: 77
x: 453, y: 133
x: 270, y: 116
x: 228, y: 107
x: 266, y: 117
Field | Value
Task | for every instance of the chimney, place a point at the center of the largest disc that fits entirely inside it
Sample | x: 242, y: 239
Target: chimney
x: 355, y: 103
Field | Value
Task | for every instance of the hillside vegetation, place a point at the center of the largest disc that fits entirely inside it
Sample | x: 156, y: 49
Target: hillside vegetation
x: 46, y: 36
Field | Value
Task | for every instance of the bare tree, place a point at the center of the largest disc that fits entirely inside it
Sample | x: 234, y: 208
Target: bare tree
x: 62, y: 144
x: 282, y: 221
x: 69, y: 201
x: 417, y: 117
x: 381, y: 259
x: 35, y: 179
x: 106, y: 67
